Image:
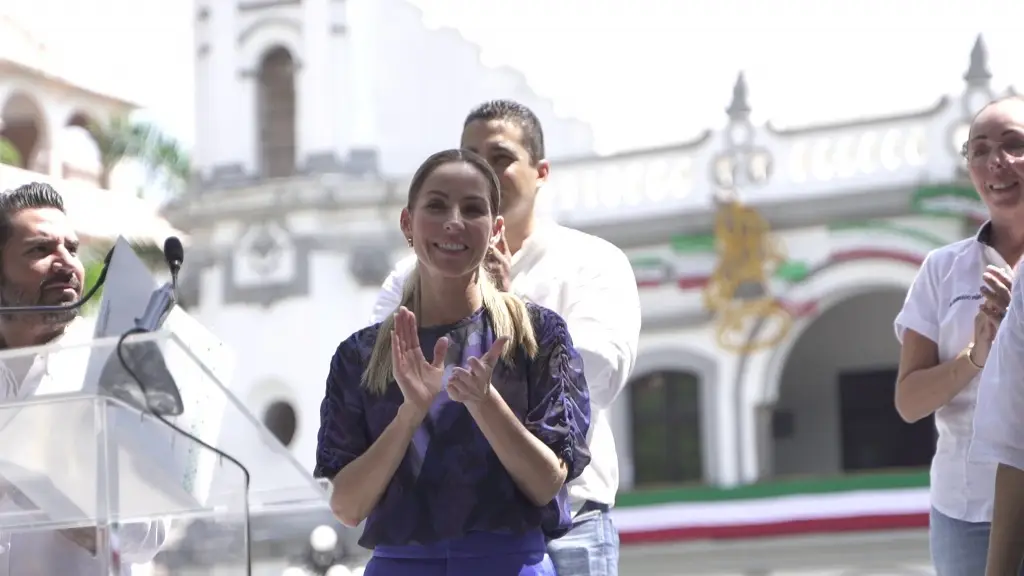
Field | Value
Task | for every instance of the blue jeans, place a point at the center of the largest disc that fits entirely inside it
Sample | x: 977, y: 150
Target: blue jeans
x: 959, y: 548
x: 590, y: 548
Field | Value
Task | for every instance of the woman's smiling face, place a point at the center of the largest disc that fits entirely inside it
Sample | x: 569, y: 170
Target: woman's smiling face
x: 452, y: 220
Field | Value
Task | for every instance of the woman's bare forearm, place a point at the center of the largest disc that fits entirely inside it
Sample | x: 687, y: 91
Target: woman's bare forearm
x: 358, y: 486
x: 924, y: 391
x: 534, y: 467
x: 1006, y: 543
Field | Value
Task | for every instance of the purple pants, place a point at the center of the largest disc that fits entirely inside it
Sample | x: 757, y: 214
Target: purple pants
x: 474, y: 554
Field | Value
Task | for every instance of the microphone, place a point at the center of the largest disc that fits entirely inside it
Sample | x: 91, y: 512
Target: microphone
x: 144, y: 360
x: 65, y: 307
x: 163, y: 300
x: 174, y: 255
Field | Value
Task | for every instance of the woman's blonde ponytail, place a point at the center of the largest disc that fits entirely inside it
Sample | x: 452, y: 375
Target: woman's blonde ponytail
x: 379, y: 372
x: 509, y: 317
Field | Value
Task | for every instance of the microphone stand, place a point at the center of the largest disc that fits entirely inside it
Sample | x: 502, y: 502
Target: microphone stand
x: 160, y: 394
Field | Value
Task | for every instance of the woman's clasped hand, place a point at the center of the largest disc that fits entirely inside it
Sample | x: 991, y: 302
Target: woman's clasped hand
x: 996, y: 292
x: 421, y: 380
x: 473, y: 385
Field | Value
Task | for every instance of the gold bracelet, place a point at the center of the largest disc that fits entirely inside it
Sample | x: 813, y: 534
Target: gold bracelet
x: 970, y: 357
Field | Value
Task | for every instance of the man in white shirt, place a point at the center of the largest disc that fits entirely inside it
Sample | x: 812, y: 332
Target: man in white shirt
x: 586, y: 280
x: 39, y: 265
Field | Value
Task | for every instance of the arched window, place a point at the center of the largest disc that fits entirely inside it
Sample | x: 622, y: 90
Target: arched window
x: 282, y: 421
x: 277, y: 114
x: 23, y: 134
x: 667, y: 447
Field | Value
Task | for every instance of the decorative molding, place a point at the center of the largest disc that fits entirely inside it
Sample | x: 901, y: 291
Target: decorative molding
x: 269, y: 265
x: 291, y: 24
x: 252, y: 6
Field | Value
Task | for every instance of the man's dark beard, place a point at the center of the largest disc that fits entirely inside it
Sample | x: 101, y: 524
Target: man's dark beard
x: 13, y: 296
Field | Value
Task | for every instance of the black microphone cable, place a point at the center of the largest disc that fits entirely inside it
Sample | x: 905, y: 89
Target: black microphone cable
x: 245, y: 470
x: 174, y: 253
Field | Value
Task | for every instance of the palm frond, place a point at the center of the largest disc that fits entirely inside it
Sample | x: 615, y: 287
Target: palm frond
x: 9, y: 153
x: 93, y: 269
x: 164, y: 158
x: 116, y: 140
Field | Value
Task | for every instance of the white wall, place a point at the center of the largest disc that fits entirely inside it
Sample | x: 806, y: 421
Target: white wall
x: 284, y: 352
x: 371, y: 76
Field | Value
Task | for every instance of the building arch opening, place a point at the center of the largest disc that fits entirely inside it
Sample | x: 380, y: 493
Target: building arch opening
x: 81, y: 156
x: 23, y: 133
x: 834, y: 412
x: 276, y: 107
x: 665, y: 412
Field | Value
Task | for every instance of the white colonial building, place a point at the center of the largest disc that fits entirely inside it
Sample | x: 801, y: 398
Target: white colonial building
x: 758, y: 434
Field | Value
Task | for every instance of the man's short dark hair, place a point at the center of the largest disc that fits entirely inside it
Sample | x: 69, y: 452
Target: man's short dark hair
x: 514, y: 113
x: 32, y: 195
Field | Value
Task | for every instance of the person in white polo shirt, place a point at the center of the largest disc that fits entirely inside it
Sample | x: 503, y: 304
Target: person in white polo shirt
x: 946, y: 329
x: 586, y: 280
x: 999, y: 418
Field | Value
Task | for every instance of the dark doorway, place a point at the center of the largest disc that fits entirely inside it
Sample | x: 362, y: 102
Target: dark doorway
x: 873, y: 434
x: 667, y: 447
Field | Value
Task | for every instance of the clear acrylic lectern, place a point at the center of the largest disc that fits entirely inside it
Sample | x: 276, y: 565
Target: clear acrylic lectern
x: 91, y: 482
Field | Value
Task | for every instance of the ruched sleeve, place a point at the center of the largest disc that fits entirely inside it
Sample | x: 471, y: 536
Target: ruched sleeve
x: 559, y: 411
x: 343, y: 434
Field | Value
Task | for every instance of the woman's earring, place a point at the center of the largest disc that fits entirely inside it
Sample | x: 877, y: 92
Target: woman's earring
x: 409, y: 240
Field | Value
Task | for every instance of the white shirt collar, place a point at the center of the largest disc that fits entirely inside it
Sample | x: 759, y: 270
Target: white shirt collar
x: 533, y: 248
x: 984, y: 237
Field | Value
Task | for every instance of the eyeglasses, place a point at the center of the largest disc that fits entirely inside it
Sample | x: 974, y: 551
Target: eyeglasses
x: 980, y: 151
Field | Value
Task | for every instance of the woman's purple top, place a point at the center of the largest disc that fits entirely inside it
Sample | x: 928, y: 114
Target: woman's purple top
x: 450, y: 482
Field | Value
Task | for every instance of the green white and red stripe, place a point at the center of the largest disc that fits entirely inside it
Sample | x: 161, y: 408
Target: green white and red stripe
x: 788, y: 515
x: 846, y: 504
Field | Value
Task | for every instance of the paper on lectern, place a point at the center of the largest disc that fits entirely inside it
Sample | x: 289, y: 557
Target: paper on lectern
x: 125, y: 297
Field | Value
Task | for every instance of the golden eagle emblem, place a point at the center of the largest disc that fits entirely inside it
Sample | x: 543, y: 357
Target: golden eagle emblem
x: 738, y: 291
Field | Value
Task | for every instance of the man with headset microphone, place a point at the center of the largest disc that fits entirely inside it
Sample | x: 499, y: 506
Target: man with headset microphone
x: 40, y: 266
